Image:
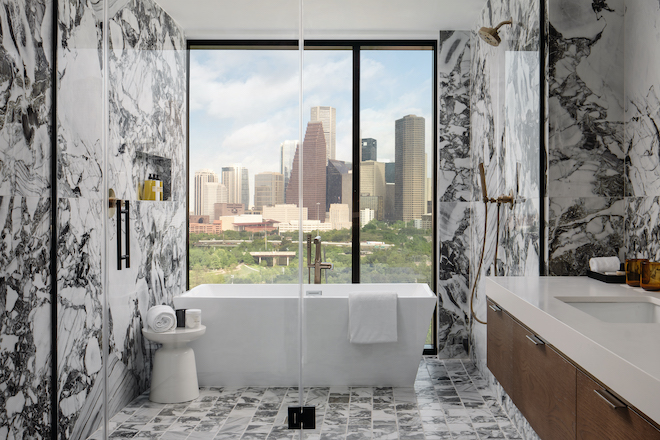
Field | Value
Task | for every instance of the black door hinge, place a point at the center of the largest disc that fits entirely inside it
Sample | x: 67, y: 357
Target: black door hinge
x: 302, y: 417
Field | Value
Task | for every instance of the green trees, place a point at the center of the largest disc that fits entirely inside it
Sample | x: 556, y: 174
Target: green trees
x: 405, y: 255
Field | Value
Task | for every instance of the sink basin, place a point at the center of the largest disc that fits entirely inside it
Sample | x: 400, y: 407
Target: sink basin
x: 630, y: 310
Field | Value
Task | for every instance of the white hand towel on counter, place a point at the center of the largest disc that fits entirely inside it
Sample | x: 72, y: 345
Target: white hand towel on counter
x: 604, y: 264
x: 161, y: 319
x: 372, y: 317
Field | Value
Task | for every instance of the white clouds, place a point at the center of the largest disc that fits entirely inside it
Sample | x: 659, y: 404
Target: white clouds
x: 245, y: 103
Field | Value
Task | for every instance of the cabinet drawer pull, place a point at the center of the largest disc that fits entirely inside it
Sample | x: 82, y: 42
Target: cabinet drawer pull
x: 612, y: 401
x: 535, y: 339
x: 494, y: 308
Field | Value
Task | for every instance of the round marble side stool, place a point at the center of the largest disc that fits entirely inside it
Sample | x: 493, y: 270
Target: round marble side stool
x: 174, y: 374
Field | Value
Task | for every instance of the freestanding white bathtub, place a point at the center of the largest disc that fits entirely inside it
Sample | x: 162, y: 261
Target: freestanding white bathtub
x: 252, y: 335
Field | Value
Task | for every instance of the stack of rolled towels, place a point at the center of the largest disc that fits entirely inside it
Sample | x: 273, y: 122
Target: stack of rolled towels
x: 161, y: 319
x: 604, y: 264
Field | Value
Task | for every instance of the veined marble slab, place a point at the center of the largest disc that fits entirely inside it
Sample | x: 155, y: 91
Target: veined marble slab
x: 25, y: 308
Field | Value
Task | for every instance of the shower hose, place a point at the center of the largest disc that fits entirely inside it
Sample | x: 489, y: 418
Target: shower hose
x: 481, y: 258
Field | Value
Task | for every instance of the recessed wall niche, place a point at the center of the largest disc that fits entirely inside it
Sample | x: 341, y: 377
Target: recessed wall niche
x: 147, y: 164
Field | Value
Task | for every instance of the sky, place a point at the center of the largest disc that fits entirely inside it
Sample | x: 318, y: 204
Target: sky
x: 245, y: 103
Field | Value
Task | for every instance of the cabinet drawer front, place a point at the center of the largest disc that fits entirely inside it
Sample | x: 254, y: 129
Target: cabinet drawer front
x: 600, y: 416
x: 499, y: 354
x: 544, y: 386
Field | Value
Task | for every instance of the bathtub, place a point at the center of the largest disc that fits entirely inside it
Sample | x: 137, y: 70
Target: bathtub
x: 252, y: 335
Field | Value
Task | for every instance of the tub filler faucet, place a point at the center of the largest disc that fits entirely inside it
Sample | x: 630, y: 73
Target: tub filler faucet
x: 318, y: 265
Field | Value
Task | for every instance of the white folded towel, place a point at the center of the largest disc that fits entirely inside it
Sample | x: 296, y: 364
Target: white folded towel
x: 372, y: 317
x: 161, y: 318
x: 604, y: 264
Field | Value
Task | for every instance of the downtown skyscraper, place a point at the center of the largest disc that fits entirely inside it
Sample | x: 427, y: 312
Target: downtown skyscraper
x: 287, y: 151
x: 328, y: 116
x: 313, y: 175
x: 409, y: 159
x: 236, y: 179
x: 201, y: 178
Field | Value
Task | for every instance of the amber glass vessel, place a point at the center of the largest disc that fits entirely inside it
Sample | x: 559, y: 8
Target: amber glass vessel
x: 634, y: 271
x: 650, y: 278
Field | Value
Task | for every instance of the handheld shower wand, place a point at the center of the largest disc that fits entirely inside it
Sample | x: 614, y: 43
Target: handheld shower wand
x: 482, y: 173
x: 484, y: 193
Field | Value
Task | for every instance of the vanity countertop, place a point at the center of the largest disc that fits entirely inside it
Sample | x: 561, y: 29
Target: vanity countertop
x: 625, y: 357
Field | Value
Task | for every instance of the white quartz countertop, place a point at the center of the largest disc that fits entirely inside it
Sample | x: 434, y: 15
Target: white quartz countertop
x: 625, y: 357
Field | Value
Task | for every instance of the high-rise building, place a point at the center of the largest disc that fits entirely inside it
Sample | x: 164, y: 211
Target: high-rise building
x: 390, y: 213
x: 228, y: 209
x: 366, y: 215
x: 236, y: 179
x: 369, y: 150
x: 340, y: 217
x: 284, y: 213
x: 347, y: 189
x: 328, y: 116
x: 245, y: 187
x: 390, y: 172
x: 373, y: 203
x: 214, y: 192
x: 202, y: 177
x: 268, y: 189
x: 313, y: 175
x: 287, y: 151
x: 409, y: 157
x: 334, y: 182
x: 372, y: 184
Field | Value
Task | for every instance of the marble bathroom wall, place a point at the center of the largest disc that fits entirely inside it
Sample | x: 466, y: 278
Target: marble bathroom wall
x: 642, y: 141
x: 585, y: 163
x: 25, y: 204
x: 454, y: 176
x: 25, y: 308
x: 146, y: 108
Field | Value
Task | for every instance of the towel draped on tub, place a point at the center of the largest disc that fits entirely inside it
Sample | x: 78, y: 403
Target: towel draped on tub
x: 372, y: 317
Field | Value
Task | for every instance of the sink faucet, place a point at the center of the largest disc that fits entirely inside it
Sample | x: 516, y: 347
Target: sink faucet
x: 317, y: 265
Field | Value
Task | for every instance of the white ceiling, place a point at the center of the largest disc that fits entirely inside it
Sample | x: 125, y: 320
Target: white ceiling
x: 329, y: 19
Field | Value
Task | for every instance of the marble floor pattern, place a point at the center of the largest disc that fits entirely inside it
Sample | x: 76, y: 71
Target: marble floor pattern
x: 450, y: 400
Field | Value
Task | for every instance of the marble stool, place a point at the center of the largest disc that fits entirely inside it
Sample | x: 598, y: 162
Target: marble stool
x: 174, y: 374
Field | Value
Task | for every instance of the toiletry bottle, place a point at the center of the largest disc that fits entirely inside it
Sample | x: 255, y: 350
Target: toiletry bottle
x: 148, y: 188
x: 158, y: 185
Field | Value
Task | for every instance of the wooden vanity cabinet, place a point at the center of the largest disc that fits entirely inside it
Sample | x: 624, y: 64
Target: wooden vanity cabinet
x: 558, y: 400
x: 600, y: 415
x: 545, y: 386
x: 540, y: 382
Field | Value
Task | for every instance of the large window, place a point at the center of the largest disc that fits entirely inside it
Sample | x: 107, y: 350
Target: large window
x: 368, y: 153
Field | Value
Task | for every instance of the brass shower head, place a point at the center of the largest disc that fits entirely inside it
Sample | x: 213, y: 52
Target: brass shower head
x: 490, y: 36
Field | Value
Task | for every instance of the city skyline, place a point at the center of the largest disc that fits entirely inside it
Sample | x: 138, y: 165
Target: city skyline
x: 226, y: 129
x: 406, y: 199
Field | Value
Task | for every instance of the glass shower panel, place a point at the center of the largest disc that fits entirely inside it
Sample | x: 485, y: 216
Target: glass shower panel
x: 81, y: 213
x: 328, y: 168
x: 396, y: 167
x: 144, y: 155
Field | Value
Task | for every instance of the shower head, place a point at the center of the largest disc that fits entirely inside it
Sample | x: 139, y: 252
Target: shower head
x: 490, y: 36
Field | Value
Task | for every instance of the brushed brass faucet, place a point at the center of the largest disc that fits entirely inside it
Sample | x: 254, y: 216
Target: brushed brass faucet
x: 318, y: 265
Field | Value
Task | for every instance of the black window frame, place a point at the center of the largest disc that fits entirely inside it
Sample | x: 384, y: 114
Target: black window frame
x: 355, y: 46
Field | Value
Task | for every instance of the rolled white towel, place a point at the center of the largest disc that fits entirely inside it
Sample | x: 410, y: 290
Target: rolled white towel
x: 161, y: 318
x: 604, y: 264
